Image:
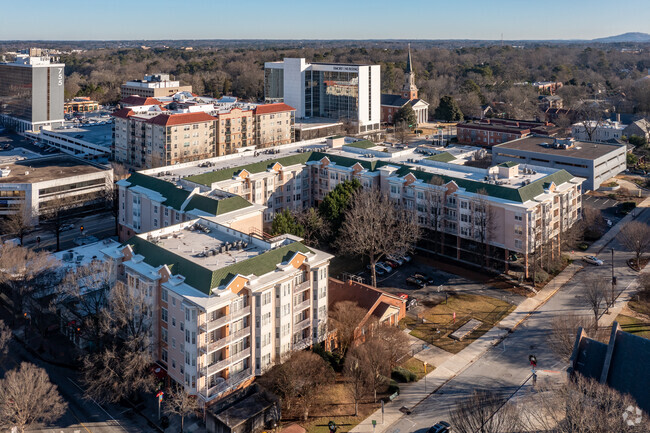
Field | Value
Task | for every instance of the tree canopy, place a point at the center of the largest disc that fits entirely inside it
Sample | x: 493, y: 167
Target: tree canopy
x: 337, y: 201
x: 448, y: 110
x: 407, y: 115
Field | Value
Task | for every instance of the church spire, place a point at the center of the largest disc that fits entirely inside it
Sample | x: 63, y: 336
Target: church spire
x: 409, y: 63
x: 410, y: 90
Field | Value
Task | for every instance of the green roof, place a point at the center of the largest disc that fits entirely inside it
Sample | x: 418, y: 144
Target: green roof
x: 257, y: 167
x: 216, y: 207
x: 508, y: 164
x: 442, y: 157
x: 521, y: 194
x: 203, y: 279
x: 175, y: 197
x: 365, y: 144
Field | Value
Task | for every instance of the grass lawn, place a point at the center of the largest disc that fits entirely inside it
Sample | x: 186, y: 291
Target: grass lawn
x: 436, y: 323
x: 642, y: 305
x: 416, y: 366
x: 634, y: 326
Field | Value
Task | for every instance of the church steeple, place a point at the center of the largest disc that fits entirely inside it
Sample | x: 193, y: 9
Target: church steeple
x: 410, y: 90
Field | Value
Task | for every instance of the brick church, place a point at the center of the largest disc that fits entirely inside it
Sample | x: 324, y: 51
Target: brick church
x: 391, y: 103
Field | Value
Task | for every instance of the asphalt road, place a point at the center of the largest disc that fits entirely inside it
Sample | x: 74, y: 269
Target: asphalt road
x: 100, y: 225
x: 505, y: 367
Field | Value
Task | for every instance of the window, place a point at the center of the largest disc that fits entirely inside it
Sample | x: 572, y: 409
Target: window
x: 518, y: 229
x: 164, y: 295
x: 163, y: 314
x: 266, y: 319
x: 164, y: 355
x: 164, y: 335
x: 393, y: 189
x: 182, y: 326
x: 519, y: 243
x: 518, y: 217
x: 266, y: 298
x: 173, y: 363
x: 173, y: 343
x: 173, y: 318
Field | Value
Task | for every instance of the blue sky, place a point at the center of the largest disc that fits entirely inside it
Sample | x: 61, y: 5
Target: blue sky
x: 322, y: 19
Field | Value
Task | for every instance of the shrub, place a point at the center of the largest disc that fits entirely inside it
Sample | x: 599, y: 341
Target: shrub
x: 393, y: 387
x: 401, y: 374
x: 583, y: 246
x: 541, y: 276
x: 332, y: 358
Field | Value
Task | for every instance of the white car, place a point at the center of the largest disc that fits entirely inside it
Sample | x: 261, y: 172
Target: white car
x: 385, y: 267
x: 406, y: 258
x: 396, y: 259
x: 593, y: 260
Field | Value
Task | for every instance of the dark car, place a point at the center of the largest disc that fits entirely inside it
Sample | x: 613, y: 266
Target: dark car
x: 393, y: 264
x: 412, y: 281
x: 427, y: 279
x: 441, y: 427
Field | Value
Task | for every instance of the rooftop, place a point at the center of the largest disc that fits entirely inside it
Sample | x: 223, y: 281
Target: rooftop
x: 544, y: 145
x: 101, y: 135
x: 47, y: 168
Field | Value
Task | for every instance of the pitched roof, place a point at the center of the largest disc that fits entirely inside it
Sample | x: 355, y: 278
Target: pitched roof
x: 409, y: 63
x: 393, y: 100
x: 140, y: 100
x: 257, y: 167
x: 122, y: 113
x: 273, y: 108
x: 203, y: 279
x: 217, y: 207
x: 180, y: 119
x: 442, y: 157
x: 508, y: 164
x: 175, y: 197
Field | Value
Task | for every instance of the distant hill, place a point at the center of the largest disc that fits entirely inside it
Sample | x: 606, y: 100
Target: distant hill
x: 625, y: 37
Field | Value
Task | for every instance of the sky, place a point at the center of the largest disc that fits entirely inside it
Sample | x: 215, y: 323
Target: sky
x: 324, y: 19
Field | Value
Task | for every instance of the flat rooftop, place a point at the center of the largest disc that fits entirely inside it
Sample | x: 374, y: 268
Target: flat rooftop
x: 101, y: 135
x: 47, y: 168
x: 580, y: 149
x: 207, y: 247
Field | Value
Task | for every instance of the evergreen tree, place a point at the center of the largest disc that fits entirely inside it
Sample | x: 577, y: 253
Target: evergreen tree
x: 406, y: 114
x: 284, y: 223
x: 448, y: 110
x: 336, y: 202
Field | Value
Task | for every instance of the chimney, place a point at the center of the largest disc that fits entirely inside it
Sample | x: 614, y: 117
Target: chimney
x: 618, y: 117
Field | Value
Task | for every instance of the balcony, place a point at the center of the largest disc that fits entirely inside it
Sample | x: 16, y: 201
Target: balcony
x: 220, y: 365
x: 223, y: 342
x: 301, y: 287
x: 219, y: 322
x: 231, y: 382
x: 302, y: 325
x: 304, y: 304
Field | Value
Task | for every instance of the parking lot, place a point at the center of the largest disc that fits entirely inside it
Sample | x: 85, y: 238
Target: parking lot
x: 9, y: 141
x: 608, y: 206
x: 443, y: 282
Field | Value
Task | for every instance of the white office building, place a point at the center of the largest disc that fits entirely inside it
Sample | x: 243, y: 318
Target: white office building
x: 327, y: 90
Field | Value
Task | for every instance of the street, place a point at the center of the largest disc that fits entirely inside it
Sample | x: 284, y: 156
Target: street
x: 99, y: 225
x: 505, y: 367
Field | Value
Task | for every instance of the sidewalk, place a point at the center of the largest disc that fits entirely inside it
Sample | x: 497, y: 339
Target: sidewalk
x: 411, y: 394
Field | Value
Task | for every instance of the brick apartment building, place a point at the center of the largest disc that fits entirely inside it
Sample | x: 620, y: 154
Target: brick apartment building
x: 490, y: 132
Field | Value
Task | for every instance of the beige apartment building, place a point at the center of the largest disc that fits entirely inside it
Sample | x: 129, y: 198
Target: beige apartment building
x: 225, y: 305
x: 156, y: 85
x: 235, y: 129
x: 274, y: 124
x: 149, y: 136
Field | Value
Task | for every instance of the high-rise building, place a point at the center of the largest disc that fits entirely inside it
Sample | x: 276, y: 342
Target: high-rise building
x: 31, y: 92
x: 153, y: 86
x: 327, y: 90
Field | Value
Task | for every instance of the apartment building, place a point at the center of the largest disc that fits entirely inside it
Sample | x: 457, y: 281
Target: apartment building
x: 595, y: 162
x: 147, y: 203
x: 235, y: 129
x: 274, y: 124
x: 35, y: 185
x: 527, y: 205
x: 153, y: 86
x: 150, y: 136
x: 224, y: 305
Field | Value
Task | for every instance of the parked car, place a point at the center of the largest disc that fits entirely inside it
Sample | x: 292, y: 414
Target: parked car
x: 412, y: 281
x: 378, y: 270
x: 440, y: 427
x: 396, y: 259
x: 410, y: 300
x: 406, y: 258
x: 593, y: 260
x: 393, y: 264
x: 385, y: 267
x: 65, y: 227
x: 424, y: 278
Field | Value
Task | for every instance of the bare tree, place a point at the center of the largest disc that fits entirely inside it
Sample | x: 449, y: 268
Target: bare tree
x: 402, y: 132
x: 19, y: 223
x: 28, y: 398
x: 590, y: 117
x: 345, y: 317
x: 316, y: 228
x: 88, y: 287
x: 434, y: 199
x: 635, y: 236
x: 375, y: 227
x: 357, y: 378
x: 5, y: 338
x: 120, y: 171
x: 374, y: 360
x: 121, y: 368
x: 594, y: 296
x: 55, y: 216
x: 26, y: 273
x: 393, y: 342
x: 564, y: 329
x: 300, y: 379
x: 180, y: 402
x: 579, y: 406
x: 484, y: 412
x: 484, y: 222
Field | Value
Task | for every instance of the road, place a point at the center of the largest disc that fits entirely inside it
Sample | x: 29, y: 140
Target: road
x: 82, y: 416
x: 100, y: 225
x: 505, y: 367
